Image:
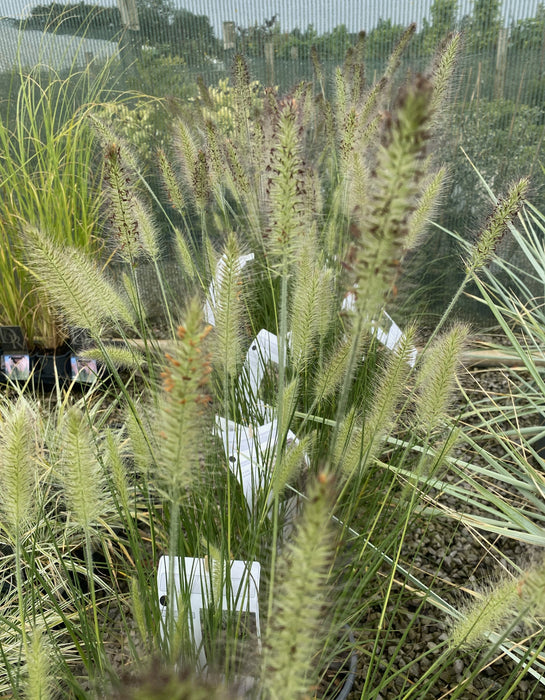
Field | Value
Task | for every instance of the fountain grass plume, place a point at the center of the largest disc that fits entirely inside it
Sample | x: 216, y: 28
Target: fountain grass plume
x: 285, y: 188
x: 311, y: 309
x: 171, y: 182
x: 242, y: 93
x: 395, y: 57
x: 130, y: 223
x: 296, y: 630
x: 442, y: 71
x: 361, y: 433
x: 491, y: 613
x: 291, y: 463
x: 185, y: 152
x: 437, y: 377
x: 426, y: 209
x: 332, y: 373
x: 228, y: 311
x: 86, y: 494
x: 39, y: 676
x: 390, y: 387
x: 74, y: 284
x: 181, y: 414
x: 498, y: 222
x: 374, y: 256
x: 18, y: 469
x: 129, y: 357
x: 139, y: 428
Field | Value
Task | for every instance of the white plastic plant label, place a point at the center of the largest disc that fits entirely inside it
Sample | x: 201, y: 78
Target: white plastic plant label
x: 390, y: 335
x: 250, y: 451
x: 82, y: 370
x: 194, y: 580
x: 210, y: 304
x: 387, y: 331
x: 16, y: 366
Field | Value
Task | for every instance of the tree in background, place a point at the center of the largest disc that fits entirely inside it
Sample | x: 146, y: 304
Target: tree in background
x: 382, y: 39
x: 529, y: 33
x: 72, y: 18
x: 172, y: 32
x: 484, y: 26
x: 443, y: 21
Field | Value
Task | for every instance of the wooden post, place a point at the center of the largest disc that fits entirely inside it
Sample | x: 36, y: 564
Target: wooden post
x: 269, y: 62
x: 228, y: 36
x: 228, y: 30
x: 501, y: 64
x: 130, y: 46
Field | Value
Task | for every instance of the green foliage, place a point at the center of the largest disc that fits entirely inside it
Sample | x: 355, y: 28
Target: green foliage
x: 527, y: 33
x: 484, y: 26
x: 444, y: 17
x: 73, y: 18
x: 47, y: 180
x: 383, y: 38
x: 171, y: 31
x: 502, y: 138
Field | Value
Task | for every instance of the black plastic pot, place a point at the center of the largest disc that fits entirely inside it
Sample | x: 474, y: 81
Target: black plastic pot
x: 49, y: 368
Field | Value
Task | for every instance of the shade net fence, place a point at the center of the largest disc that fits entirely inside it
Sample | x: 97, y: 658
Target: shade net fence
x: 164, y: 48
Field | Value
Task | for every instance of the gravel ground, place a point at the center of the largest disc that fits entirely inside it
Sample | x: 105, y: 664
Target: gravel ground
x: 463, y: 562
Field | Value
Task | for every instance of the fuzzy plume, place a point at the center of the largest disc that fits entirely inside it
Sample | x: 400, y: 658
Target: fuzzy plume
x: 181, y: 417
x: 437, y: 377
x: 497, y: 224
x: 116, y: 355
x: 294, y: 631
x: 332, y: 374
x: 291, y: 463
x: 184, y: 250
x: 131, y: 226
x: 426, y: 208
x: 39, y: 682
x: 170, y: 181
x: 490, y: 613
x: 286, y: 187
x: 185, y: 153
x: 242, y: 93
x: 379, y: 238
x: 227, y: 306
x: 312, y: 307
x: 139, y: 430
x: 395, y: 57
x: 86, y: 495
x: 115, y: 463
x: 18, y: 476
x: 442, y: 70
x: 74, y: 284
x: 359, y: 440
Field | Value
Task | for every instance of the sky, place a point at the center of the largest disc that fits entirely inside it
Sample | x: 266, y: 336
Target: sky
x: 322, y: 14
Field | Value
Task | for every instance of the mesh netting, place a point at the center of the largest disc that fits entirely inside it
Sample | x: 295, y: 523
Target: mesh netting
x: 164, y: 49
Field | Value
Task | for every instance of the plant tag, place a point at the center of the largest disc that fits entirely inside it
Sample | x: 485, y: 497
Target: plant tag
x: 12, y: 340
x: 250, y: 451
x: 82, y: 370
x: 390, y: 335
x: 386, y: 332
x: 217, y: 280
x: 196, y: 583
x: 16, y: 367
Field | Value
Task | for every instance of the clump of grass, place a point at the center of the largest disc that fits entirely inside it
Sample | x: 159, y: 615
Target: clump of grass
x: 328, y: 196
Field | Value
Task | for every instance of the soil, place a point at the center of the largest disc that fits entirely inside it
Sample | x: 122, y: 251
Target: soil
x: 467, y: 562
